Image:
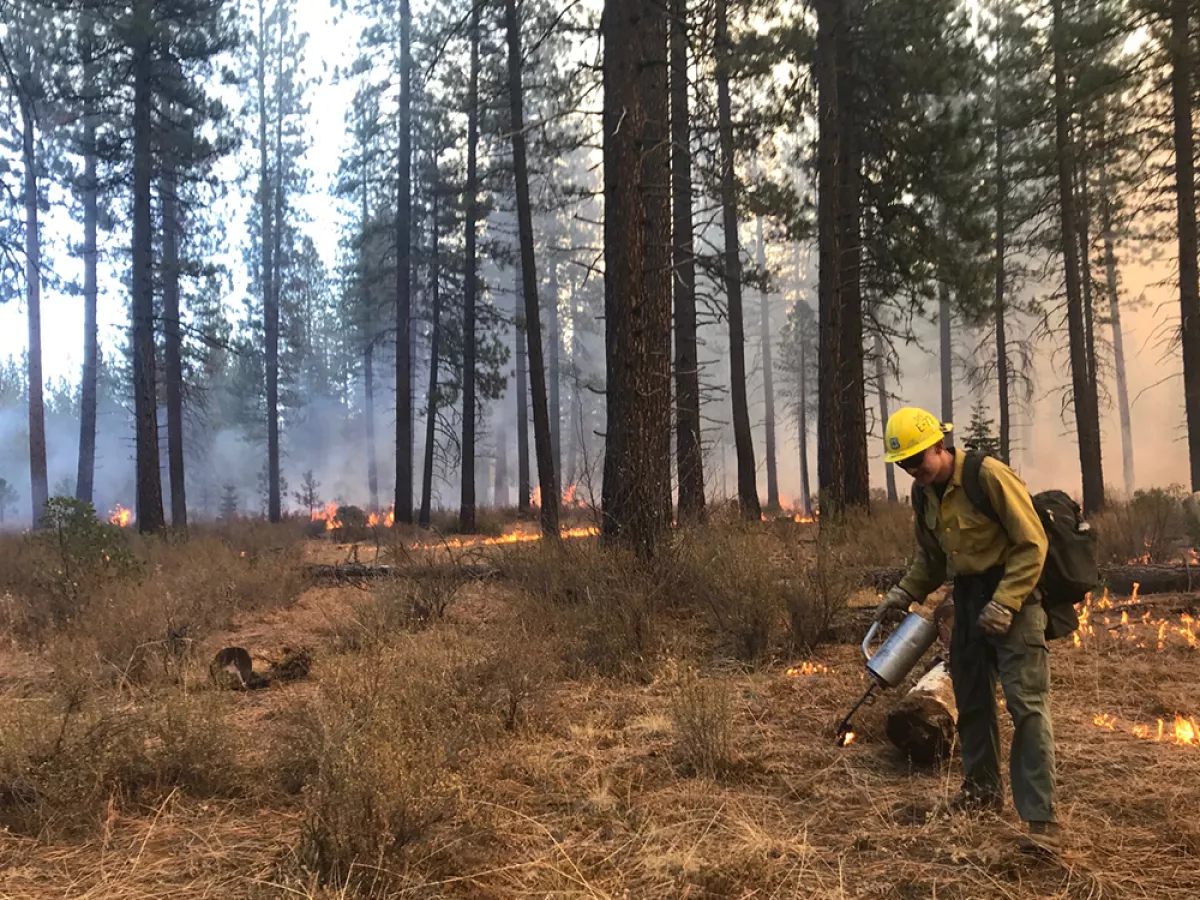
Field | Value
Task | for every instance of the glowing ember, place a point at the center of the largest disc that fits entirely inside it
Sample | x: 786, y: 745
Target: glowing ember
x: 1184, y: 732
x: 803, y: 520
x: 120, y: 516
x: 807, y: 668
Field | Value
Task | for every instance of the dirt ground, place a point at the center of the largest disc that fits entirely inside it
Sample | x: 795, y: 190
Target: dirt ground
x: 595, y: 802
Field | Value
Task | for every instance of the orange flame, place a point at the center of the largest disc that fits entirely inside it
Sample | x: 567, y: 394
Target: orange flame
x: 847, y: 738
x: 807, y: 668
x: 1183, y: 732
x: 120, y: 516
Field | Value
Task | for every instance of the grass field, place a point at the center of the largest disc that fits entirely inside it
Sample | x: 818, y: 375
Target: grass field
x: 578, y: 725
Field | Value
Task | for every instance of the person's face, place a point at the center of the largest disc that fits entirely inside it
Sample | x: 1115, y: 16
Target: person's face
x: 925, y: 466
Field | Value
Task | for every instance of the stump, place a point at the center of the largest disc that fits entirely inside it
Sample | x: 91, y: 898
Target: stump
x: 924, y: 723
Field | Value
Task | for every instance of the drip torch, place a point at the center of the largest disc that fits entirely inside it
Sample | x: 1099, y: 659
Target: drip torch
x: 888, y: 665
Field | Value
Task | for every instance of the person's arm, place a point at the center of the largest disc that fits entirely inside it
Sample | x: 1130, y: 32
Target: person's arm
x: 1014, y: 507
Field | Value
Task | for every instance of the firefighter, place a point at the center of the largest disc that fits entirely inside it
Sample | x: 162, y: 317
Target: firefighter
x: 999, y: 621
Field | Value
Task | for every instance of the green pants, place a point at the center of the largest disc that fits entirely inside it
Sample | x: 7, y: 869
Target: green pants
x: 1020, y: 658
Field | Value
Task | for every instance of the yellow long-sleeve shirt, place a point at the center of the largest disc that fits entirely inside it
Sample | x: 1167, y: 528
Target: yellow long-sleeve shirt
x: 968, y: 542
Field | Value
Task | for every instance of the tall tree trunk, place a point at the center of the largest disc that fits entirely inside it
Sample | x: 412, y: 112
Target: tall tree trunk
x: 533, y: 319
x: 1185, y: 206
x: 1002, y: 376
x: 524, y: 491
x: 802, y: 405
x: 1084, y: 215
x: 636, y: 493
x: 404, y: 404
x: 842, y: 470
x: 881, y: 386
x: 149, y: 478
x: 466, y: 512
x: 1114, y: 313
x: 369, y: 413
x: 173, y: 333
x: 1087, y: 414
x: 39, y: 484
x: 274, y: 500
x: 267, y: 245
x: 689, y: 461
x: 431, y: 408
x: 555, y: 377
x: 764, y: 313
x: 732, y: 265
x: 946, y: 356
x: 89, y: 385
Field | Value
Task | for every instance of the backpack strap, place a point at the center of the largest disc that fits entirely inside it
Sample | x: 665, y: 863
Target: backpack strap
x: 972, y: 484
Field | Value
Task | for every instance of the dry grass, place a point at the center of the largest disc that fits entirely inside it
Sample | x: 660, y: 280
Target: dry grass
x: 578, y: 731
x: 1154, y: 526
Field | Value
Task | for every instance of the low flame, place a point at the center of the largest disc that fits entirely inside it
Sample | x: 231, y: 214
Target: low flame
x: 1184, y: 732
x: 120, y: 516
x: 807, y: 668
x: 1144, y: 633
x: 847, y: 739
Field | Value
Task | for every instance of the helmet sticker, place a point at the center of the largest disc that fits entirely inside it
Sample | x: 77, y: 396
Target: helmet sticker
x: 895, y: 443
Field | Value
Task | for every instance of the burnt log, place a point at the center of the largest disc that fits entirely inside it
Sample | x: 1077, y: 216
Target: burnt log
x: 362, y: 571
x: 1179, y: 578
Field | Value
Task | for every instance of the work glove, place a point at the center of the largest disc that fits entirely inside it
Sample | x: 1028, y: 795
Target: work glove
x: 995, y: 619
x: 896, y: 599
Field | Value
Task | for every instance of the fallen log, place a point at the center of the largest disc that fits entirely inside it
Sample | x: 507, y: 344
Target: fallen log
x: 362, y: 571
x: 1179, y: 578
x: 924, y: 723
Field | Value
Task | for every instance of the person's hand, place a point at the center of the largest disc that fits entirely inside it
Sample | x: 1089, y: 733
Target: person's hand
x: 897, y: 600
x: 995, y: 619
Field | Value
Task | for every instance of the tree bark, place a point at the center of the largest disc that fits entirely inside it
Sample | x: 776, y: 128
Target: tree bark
x: 274, y: 499
x: 688, y: 457
x: 404, y: 404
x: 842, y: 471
x: 732, y: 265
x: 267, y: 239
x: 764, y: 313
x: 431, y: 407
x: 1087, y: 414
x: 924, y: 724
x: 369, y: 413
x: 1085, y: 265
x: 636, y: 492
x: 1002, y: 375
x: 89, y: 384
x: 555, y: 378
x: 524, y: 491
x: 173, y: 356
x: 1185, y: 206
x: 881, y: 386
x: 1114, y: 313
x: 466, y: 511
x: 802, y: 406
x: 533, y: 320
x: 946, y: 357
x: 149, y: 478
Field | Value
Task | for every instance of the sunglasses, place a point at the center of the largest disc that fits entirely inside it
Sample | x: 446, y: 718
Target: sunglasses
x: 912, y: 463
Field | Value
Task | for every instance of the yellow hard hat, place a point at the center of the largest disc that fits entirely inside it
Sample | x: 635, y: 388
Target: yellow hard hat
x: 911, y: 430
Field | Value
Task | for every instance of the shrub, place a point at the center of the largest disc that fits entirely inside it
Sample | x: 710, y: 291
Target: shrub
x: 1152, y: 526
x: 702, y: 713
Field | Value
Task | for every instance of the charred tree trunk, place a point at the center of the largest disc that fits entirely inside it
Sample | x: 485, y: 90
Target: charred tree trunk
x: 404, y: 404
x: 369, y: 412
x: 881, y: 386
x: 466, y: 512
x: 1185, y: 206
x: 1002, y: 375
x: 149, y: 478
x: 946, y: 357
x: 1087, y: 413
x: 688, y: 459
x: 533, y: 318
x: 764, y: 313
x: 802, y: 405
x: 274, y: 498
x: 524, y: 491
x: 555, y: 378
x: 89, y: 385
x: 1085, y: 265
x: 267, y: 245
x: 842, y: 444
x: 732, y: 266
x: 173, y: 356
x: 431, y: 408
x: 1114, y: 314
x: 636, y: 493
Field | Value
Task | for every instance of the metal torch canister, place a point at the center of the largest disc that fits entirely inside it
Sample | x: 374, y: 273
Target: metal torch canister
x: 897, y: 655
